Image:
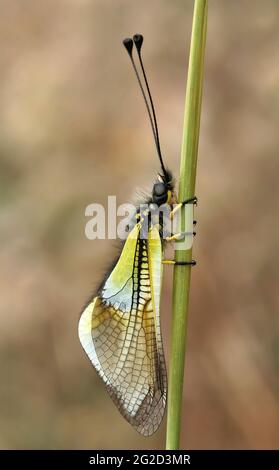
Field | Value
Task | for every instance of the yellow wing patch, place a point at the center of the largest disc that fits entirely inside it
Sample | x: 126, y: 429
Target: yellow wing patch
x: 120, y: 332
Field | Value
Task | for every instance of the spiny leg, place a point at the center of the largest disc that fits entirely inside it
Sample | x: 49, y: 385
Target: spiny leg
x: 192, y: 200
x: 179, y: 236
x: 179, y: 263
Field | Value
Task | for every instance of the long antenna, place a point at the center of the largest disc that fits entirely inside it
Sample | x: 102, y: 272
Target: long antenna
x: 128, y: 44
x: 138, y: 40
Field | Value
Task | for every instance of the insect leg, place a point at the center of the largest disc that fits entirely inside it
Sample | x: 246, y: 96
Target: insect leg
x: 179, y: 236
x: 192, y: 200
x: 179, y: 263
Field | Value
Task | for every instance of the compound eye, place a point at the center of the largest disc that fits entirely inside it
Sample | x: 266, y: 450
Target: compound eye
x: 159, y: 189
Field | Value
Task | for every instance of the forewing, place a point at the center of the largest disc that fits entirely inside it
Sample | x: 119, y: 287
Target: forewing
x: 120, y: 332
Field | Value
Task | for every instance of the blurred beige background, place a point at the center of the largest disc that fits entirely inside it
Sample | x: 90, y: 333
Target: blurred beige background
x: 73, y: 130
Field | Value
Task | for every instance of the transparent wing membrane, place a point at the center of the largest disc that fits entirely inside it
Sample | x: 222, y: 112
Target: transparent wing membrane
x: 120, y: 332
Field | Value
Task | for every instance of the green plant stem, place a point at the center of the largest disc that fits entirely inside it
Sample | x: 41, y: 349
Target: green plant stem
x: 182, y: 274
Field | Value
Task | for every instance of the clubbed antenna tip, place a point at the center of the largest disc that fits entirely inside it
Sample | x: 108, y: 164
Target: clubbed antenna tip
x: 128, y: 44
x: 138, y: 40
